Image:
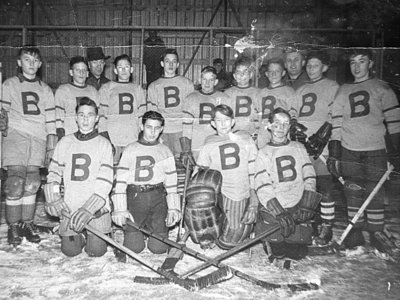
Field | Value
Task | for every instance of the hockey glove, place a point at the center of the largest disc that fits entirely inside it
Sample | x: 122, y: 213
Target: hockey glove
x: 54, y: 201
x: 3, y: 121
x: 305, y: 209
x: 393, y: 149
x: 51, y: 143
x: 85, y: 214
x: 174, y: 210
x: 60, y: 133
x: 283, y: 217
x: 250, y: 214
x: 317, y: 142
x: 120, y: 212
x: 333, y: 161
x: 186, y: 156
x: 297, y: 131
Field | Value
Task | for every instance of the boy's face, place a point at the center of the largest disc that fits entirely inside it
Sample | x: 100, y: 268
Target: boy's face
x: 86, y: 118
x: 280, y: 128
x: 208, y: 82
x: 218, y: 67
x: 360, y: 66
x: 151, y: 130
x: 294, y: 63
x: 315, y: 68
x: 29, y: 64
x: 170, y: 64
x: 275, y: 73
x: 242, y: 75
x: 223, y: 124
x: 79, y: 73
x: 123, y: 70
x: 97, y: 67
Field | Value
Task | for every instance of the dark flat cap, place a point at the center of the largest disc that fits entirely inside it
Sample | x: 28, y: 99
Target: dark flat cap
x: 95, y: 53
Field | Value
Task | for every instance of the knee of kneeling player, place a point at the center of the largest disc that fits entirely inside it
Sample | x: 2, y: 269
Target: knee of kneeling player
x: 32, y: 183
x: 156, y: 246
x: 71, y: 245
x: 14, y: 187
x: 134, y: 241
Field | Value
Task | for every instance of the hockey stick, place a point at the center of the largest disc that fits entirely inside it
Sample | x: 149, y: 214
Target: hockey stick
x: 1, y: 134
x: 189, y: 284
x: 198, y: 255
x: 336, y: 245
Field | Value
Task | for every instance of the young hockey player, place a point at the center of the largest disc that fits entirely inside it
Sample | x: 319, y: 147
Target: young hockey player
x: 197, y: 111
x: 67, y: 96
x: 146, y: 189
x: 97, y: 61
x: 362, y: 113
x: 285, y: 185
x: 83, y: 163
x: 294, y: 63
x: 314, y: 106
x: 122, y: 105
x: 167, y: 95
x: 243, y: 97
x: 277, y: 94
x: 31, y: 138
x: 233, y: 154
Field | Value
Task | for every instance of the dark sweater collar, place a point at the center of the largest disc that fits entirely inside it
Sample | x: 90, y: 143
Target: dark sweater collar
x: 143, y: 142
x: 85, y: 137
x: 22, y: 78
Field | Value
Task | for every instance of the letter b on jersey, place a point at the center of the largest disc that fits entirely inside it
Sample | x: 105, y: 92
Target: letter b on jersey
x: 243, y: 106
x: 80, y: 167
x: 229, y: 154
x: 286, y: 168
x: 308, y: 105
x: 30, y: 101
x: 171, y: 96
x: 359, y: 104
x: 205, y: 110
x: 125, y: 103
x: 144, y: 168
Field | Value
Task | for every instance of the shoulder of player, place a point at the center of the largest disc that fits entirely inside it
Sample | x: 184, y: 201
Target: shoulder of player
x: 242, y: 136
x: 193, y: 96
x: 212, y: 139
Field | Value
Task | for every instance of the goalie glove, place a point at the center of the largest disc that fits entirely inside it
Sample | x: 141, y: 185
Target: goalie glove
x: 85, y: 214
x: 306, y: 208
x: 186, y: 156
x: 284, y: 218
x: 51, y: 143
x: 54, y: 201
x: 333, y: 161
x: 296, y: 132
x: 3, y: 121
x: 120, y: 211
x: 317, y: 142
x: 174, y: 209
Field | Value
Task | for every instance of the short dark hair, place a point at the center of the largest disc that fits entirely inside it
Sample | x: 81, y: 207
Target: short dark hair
x: 321, y: 55
x: 278, y: 61
x: 122, y: 57
x: 77, y: 59
x: 242, y: 61
x: 153, y: 115
x: 278, y: 110
x: 87, y: 101
x: 169, y: 51
x: 223, y: 109
x: 209, y: 69
x: 31, y: 51
x: 218, y: 61
x: 361, y: 51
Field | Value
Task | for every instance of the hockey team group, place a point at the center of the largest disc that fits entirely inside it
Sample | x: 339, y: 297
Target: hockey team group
x: 253, y: 158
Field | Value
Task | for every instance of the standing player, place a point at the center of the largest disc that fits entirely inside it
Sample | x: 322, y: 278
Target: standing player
x: 294, y: 63
x: 83, y: 162
x: 224, y: 78
x: 122, y: 105
x: 68, y: 95
x: 243, y: 97
x: 277, y: 94
x: 97, y: 61
x: 285, y: 185
x: 360, y: 112
x: 314, y: 104
x: 197, y: 111
x: 146, y: 189
x: 31, y: 138
x: 233, y: 154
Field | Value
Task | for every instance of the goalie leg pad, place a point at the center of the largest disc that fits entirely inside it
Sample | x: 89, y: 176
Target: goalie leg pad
x: 231, y: 237
x: 207, y: 177
x: 200, y: 197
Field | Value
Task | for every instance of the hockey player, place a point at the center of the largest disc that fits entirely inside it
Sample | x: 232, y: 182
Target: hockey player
x: 167, y: 95
x: 224, y: 78
x: 285, y: 185
x: 294, y: 63
x: 277, y: 94
x: 97, y: 61
x: 122, y: 105
x: 67, y: 96
x: 360, y: 111
x: 29, y: 144
x: 314, y: 105
x: 146, y: 189
x: 243, y: 97
x: 233, y: 154
x: 197, y: 111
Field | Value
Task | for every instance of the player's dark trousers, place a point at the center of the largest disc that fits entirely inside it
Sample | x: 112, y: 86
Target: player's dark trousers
x: 73, y: 245
x: 149, y: 209
x: 362, y: 170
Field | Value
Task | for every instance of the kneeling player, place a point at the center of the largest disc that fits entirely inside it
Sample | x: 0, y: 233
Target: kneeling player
x: 285, y: 183
x: 146, y: 189
x: 233, y: 154
x: 83, y: 161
